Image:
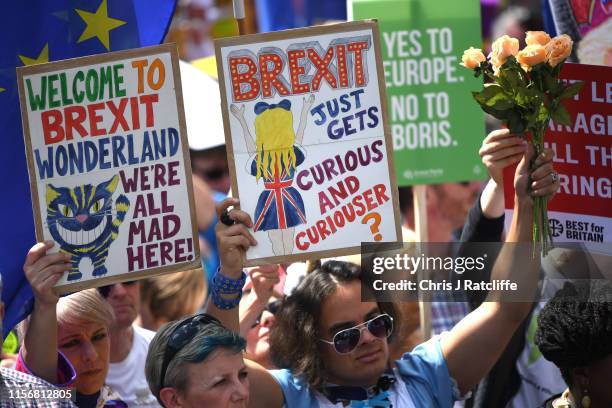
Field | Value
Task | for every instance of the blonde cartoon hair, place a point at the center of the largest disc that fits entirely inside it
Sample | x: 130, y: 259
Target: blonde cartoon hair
x: 274, y: 138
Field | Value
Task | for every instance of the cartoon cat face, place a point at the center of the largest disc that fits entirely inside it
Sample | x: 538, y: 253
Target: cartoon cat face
x: 82, y: 215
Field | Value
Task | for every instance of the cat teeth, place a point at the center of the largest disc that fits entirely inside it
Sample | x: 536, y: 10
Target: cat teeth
x: 81, y: 237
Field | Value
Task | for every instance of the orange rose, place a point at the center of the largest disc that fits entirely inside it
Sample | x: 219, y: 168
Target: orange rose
x: 531, y: 55
x: 503, y: 47
x: 558, y: 49
x: 536, y: 37
x: 472, y: 58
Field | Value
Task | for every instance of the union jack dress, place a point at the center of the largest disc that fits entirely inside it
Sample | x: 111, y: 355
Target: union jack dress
x: 280, y: 205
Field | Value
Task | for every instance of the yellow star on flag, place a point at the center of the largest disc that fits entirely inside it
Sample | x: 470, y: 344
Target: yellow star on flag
x: 2, y: 90
x: 99, y: 24
x: 42, y: 57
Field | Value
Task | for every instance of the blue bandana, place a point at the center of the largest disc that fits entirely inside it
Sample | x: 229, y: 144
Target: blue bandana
x: 359, y: 397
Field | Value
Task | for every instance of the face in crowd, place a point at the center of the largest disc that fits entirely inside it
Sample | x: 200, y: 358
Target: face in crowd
x: 196, y: 362
x: 343, y: 310
x: 83, y: 320
x: 258, y: 336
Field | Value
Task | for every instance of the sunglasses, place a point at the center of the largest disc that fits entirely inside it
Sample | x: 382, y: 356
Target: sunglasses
x: 345, y: 341
x: 272, y: 307
x: 105, y: 290
x: 181, y: 336
x: 215, y: 173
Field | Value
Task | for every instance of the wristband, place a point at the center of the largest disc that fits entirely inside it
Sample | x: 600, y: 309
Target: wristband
x: 225, y: 304
x: 223, y: 285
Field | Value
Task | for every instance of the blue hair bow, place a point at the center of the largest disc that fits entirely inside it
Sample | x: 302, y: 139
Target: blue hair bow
x: 261, y: 107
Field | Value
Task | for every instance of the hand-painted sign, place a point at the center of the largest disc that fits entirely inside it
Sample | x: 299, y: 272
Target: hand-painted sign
x: 304, y: 115
x: 109, y: 164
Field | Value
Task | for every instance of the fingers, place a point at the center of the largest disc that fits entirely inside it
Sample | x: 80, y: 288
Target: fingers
x: 490, y: 161
x: 238, y: 241
x: 545, y: 156
x: 544, y: 179
x: 542, y: 172
x: 503, y: 148
x: 523, y: 166
x: 241, y: 217
x: 235, y: 214
x: 497, y: 134
x: 37, y: 251
x: 240, y: 229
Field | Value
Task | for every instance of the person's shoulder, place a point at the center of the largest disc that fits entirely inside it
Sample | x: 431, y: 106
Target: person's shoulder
x: 295, y: 389
x: 13, y: 379
x: 145, y: 334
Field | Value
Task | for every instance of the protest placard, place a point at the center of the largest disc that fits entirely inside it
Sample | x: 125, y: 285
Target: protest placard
x: 109, y: 166
x: 435, y: 126
x: 581, y: 210
x: 308, y: 145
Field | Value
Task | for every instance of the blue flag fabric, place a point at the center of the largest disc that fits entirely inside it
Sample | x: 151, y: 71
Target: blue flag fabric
x: 274, y: 15
x: 35, y: 31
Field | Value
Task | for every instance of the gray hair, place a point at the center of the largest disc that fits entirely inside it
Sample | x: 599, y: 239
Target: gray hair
x: 210, y: 337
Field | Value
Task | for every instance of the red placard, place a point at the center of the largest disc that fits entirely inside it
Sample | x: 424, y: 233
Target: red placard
x: 581, y: 211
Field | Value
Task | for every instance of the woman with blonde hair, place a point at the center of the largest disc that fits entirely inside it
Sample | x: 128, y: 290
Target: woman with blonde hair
x: 77, y: 326
x: 277, y: 152
x: 171, y: 297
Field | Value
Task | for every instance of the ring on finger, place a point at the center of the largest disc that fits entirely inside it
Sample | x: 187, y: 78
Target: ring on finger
x: 225, y: 218
x: 554, y: 176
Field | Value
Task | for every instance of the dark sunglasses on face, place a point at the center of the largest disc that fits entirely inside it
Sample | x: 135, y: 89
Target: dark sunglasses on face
x: 345, y: 341
x: 105, y: 290
x: 215, y: 173
x: 181, y: 336
x: 272, y: 307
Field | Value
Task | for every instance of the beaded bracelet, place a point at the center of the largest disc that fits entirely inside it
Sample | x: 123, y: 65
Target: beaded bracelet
x: 226, y: 286
x: 225, y: 304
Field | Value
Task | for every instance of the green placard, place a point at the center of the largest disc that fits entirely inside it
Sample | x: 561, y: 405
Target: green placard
x: 437, y: 127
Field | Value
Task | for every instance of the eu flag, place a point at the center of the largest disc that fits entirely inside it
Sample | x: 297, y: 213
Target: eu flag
x: 33, y: 32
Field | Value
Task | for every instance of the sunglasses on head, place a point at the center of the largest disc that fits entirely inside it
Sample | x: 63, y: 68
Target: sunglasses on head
x: 271, y: 307
x: 347, y: 340
x: 180, y: 337
x: 105, y: 290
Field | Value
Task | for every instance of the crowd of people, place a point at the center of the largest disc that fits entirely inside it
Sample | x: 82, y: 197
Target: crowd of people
x: 263, y: 338
x: 300, y: 335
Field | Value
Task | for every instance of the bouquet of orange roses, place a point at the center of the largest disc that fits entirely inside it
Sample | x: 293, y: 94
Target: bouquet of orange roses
x: 524, y: 91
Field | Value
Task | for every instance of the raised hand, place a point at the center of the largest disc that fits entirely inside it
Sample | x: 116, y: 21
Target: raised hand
x: 264, y: 278
x: 44, y: 270
x: 499, y: 150
x: 541, y: 181
x: 233, y: 241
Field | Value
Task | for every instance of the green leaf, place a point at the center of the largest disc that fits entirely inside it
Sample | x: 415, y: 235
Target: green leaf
x: 493, y: 96
x: 516, y: 124
x: 560, y: 116
x: 498, y: 114
x: 571, y: 90
x: 528, y: 97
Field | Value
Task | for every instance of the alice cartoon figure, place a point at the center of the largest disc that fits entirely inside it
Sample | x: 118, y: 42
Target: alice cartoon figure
x: 277, y: 152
